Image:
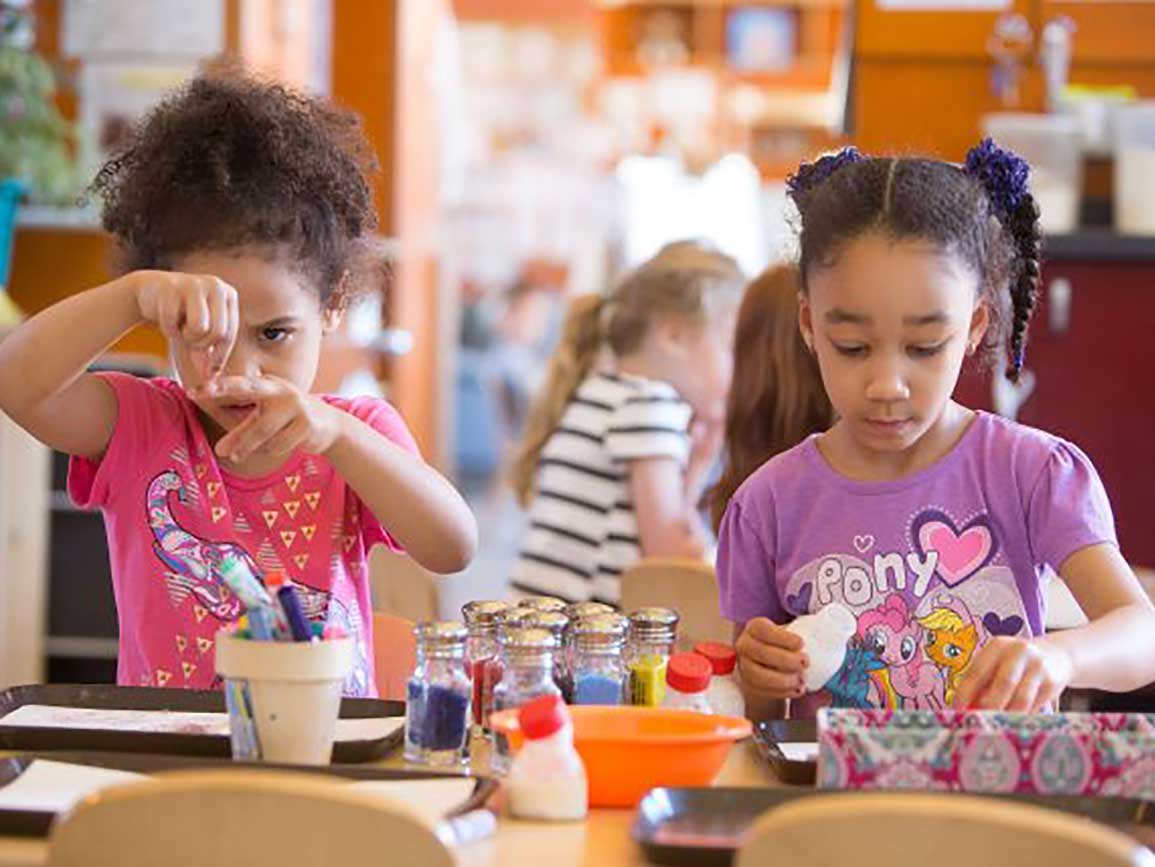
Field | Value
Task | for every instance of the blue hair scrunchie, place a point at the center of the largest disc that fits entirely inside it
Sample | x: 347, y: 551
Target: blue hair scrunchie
x: 1003, y: 174
x: 811, y: 175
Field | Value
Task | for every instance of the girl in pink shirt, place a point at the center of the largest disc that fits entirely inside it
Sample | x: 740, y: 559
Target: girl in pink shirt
x: 244, y: 218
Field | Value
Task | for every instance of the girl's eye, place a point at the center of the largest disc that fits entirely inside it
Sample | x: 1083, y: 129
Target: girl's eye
x: 926, y: 351
x: 274, y: 335
x: 850, y: 350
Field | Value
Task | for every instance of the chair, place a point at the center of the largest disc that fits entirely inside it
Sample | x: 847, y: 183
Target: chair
x: 688, y: 586
x: 899, y: 829
x: 401, y: 586
x: 235, y: 817
x: 394, y: 654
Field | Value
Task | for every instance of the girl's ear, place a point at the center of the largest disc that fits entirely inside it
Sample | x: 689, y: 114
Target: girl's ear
x: 980, y: 322
x: 805, y: 323
x: 333, y: 311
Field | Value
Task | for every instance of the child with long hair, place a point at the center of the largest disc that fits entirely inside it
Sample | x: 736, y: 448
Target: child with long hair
x: 620, y: 443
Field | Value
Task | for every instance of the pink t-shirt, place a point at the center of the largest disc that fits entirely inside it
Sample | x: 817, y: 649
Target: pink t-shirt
x: 171, y: 513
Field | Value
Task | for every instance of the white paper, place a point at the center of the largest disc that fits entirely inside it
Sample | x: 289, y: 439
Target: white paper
x: 428, y: 800
x: 55, y: 786
x: 173, y: 722
x: 802, y: 752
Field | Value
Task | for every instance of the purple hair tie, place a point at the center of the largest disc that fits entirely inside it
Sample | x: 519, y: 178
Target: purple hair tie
x: 1003, y: 174
x: 811, y: 175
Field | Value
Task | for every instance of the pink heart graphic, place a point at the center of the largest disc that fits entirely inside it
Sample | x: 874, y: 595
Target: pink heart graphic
x: 959, y: 554
x: 863, y: 543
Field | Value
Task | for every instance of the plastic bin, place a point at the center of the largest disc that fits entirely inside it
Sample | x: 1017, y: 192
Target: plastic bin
x: 1052, y: 144
x: 1135, y: 169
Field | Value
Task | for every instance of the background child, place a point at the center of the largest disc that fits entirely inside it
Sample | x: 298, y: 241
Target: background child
x: 776, y: 397
x: 244, y: 218
x: 616, y: 456
x: 929, y: 522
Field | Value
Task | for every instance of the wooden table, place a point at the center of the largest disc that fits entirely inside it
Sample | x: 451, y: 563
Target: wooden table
x: 604, y: 838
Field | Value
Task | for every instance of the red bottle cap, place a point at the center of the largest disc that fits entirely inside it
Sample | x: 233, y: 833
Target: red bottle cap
x: 275, y: 579
x: 542, y: 717
x: 721, y: 656
x: 688, y: 672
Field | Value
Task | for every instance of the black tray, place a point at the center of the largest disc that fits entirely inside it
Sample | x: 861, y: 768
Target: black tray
x: 768, y: 734
x: 104, y: 697
x: 36, y: 823
x: 705, y: 826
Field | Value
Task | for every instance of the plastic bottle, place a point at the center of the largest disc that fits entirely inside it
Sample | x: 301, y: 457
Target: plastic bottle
x: 687, y: 679
x: 547, y: 779
x: 724, y: 694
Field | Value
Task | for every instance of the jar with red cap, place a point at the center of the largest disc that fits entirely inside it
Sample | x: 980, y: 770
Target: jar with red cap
x: 547, y: 779
x: 687, y: 680
x: 724, y: 694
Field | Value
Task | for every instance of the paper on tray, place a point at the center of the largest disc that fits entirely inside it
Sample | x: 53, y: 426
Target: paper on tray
x: 55, y: 786
x: 802, y: 752
x: 173, y: 722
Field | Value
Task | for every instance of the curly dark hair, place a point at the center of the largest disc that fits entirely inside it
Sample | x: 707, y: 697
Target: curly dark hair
x: 934, y: 201
x: 232, y: 162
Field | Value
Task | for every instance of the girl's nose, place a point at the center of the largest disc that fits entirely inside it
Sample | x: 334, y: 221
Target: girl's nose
x: 887, y: 385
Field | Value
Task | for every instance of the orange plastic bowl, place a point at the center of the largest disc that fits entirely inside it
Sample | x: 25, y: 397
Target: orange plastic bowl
x: 629, y: 750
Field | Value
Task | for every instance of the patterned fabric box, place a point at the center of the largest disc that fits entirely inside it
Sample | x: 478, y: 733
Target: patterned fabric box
x: 982, y: 751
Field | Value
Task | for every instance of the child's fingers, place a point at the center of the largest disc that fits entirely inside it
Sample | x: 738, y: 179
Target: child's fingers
x: 241, y: 388
x: 772, y: 657
x: 1026, y: 693
x: 252, y: 433
x: 779, y: 684
x: 288, y: 439
x: 769, y: 632
x: 975, y: 681
x: 169, y: 311
x: 222, y: 331
x: 195, y: 320
x: 1003, y: 683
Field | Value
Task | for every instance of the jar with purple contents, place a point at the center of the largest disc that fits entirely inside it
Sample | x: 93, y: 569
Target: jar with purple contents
x: 527, y: 659
x: 556, y: 623
x: 482, y: 619
x: 600, y: 675
x: 437, y: 709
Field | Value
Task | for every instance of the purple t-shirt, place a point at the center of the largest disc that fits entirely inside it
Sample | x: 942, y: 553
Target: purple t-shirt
x: 931, y: 566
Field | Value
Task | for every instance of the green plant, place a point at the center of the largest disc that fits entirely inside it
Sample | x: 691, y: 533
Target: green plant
x: 37, y: 144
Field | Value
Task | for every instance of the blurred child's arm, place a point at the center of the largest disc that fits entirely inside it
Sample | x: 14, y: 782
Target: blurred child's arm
x: 43, y: 384
x: 1115, y: 651
x: 668, y: 526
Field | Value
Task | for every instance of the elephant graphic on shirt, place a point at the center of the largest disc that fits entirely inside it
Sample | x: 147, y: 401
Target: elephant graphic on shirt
x: 194, y: 564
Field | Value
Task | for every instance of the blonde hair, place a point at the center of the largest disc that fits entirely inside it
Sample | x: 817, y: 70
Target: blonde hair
x: 942, y: 620
x: 684, y: 279
x: 776, y: 398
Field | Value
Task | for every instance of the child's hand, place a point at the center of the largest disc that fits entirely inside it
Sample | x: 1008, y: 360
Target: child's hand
x: 201, y: 311
x: 285, y: 418
x: 1015, y: 674
x: 771, y: 659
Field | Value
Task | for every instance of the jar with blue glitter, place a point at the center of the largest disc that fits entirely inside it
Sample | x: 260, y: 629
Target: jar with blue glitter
x: 600, y: 675
x: 437, y: 709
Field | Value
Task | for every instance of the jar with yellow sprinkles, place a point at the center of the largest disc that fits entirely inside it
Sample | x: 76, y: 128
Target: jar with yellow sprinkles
x: 653, y: 632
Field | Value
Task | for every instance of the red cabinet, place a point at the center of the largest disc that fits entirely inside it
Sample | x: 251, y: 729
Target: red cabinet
x: 1092, y: 350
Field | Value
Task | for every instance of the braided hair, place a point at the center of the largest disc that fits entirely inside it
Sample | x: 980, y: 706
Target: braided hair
x: 982, y: 211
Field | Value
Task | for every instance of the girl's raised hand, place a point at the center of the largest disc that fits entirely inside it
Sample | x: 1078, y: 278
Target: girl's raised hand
x: 1015, y: 674
x: 771, y: 659
x: 283, y: 420
x: 199, y: 310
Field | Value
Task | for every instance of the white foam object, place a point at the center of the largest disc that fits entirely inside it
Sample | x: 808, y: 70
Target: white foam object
x: 824, y: 636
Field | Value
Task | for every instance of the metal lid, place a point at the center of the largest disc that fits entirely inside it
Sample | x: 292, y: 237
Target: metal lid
x: 554, y: 621
x: 440, y: 632
x: 651, y: 618
x: 511, y: 618
x: 542, y: 603
x: 484, y: 612
x: 579, y: 610
x: 529, y: 640
x: 601, y: 630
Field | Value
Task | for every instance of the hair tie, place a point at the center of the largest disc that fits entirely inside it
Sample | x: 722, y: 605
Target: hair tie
x: 811, y: 175
x: 1003, y: 174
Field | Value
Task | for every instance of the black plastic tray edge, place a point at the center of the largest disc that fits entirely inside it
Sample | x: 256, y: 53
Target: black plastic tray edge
x: 768, y: 734
x: 108, y: 697
x: 38, y: 823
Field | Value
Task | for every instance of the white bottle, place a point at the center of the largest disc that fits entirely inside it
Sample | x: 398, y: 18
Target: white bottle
x: 687, y: 680
x: 724, y: 694
x: 824, y: 636
x: 547, y: 779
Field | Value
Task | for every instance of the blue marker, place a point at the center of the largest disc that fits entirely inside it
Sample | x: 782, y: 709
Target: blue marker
x: 279, y: 585
x: 263, y: 623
